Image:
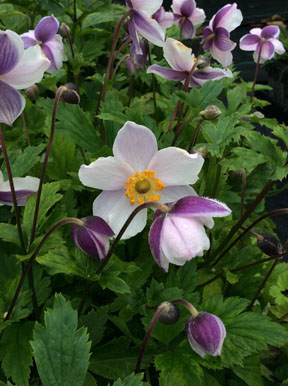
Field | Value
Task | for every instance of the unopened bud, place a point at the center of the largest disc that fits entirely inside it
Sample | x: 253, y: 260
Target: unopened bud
x: 258, y: 114
x: 269, y: 245
x: 32, y: 92
x: 203, y: 151
x: 64, y: 30
x: 203, y: 62
x: 70, y: 94
x: 211, y: 112
x: 170, y: 314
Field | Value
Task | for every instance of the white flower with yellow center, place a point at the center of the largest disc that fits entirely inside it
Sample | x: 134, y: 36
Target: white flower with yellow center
x: 138, y: 173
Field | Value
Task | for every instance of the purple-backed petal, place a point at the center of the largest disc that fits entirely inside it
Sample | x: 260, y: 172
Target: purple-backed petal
x: 178, y: 56
x: 194, y: 206
x: 148, y: 6
x: 167, y: 73
x: 249, y: 42
x: 207, y: 39
x: 21, y: 197
x: 271, y: 31
x: 54, y: 51
x: 90, y: 242
x: 149, y: 28
x: 155, y: 241
x: 28, y: 39
x: 228, y: 17
x: 187, y: 8
x: 134, y: 36
x: 223, y: 57
x: 98, y: 225
x: 278, y: 46
x: 201, y: 76
x: 187, y: 28
x: 267, y: 50
x: 12, y: 104
x: 12, y: 49
x: 139, y: 59
x: 46, y: 29
x: 129, y: 4
x: 222, y: 40
x: 198, y: 16
x: 164, y: 19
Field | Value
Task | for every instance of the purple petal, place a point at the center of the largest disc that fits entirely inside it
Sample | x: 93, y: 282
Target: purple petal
x: 228, y: 17
x: 12, y: 104
x: 155, y: 238
x: 129, y: 4
x: 220, y: 15
x: 149, y: 29
x: 187, y: 8
x: 91, y: 243
x: 134, y: 36
x: 249, y: 42
x: 49, y: 54
x: 21, y: 197
x: 193, y: 206
x: 187, y: 28
x: 211, y: 73
x: 54, y: 51
x: 271, y: 31
x: 9, y: 52
x: 222, y: 40
x: 267, y: 50
x: 28, y: 42
x: 139, y: 59
x: 46, y: 29
x: 208, y: 37
x: 97, y: 224
x: 167, y: 73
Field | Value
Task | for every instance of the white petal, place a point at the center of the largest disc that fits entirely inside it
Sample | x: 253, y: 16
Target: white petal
x: 105, y: 173
x: 279, y: 49
x: 56, y: 48
x: 231, y: 18
x: 223, y: 57
x: 26, y: 183
x: 178, y: 56
x: 136, y: 145
x: 174, y: 193
x: 147, y: 6
x: 175, y: 166
x: 29, y: 70
x: 198, y: 16
x: 176, y: 6
x: 14, y: 50
x: 1, y: 178
x: 114, y: 207
x: 256, y: 31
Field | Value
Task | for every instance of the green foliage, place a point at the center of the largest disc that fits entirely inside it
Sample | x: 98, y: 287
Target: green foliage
x: 131, y: 380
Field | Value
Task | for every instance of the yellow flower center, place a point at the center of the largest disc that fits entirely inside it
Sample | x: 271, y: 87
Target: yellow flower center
x: 143, y: 186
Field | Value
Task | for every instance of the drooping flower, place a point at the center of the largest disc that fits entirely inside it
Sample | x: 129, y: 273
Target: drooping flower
x: 24, y: 188
x: 136, y: 61
x: 19, y: 69
x: 163, y: 18
x: 187, y: 15
x: 138, y: 173
x: 45, y: 35
x: 181, y: 59
x: 179, y: 235
x: 216, y: 37
x: 265, y: 39
x: 92, y: 237
x: 206, y: 334
x: 141, y: 22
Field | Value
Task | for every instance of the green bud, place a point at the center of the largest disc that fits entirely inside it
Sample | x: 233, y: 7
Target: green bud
x: 211, y: 112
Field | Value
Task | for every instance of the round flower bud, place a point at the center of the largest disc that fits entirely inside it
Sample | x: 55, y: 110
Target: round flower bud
x: 203, y: 62
x: 170, y: 314
x: 32, y: 92
x: 211, y: 112
x: 70, y: 94
x: 269, y: 245
x: 64, y: 30
x: 206, y: 334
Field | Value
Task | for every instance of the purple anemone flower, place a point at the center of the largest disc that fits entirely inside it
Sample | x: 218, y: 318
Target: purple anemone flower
x: 181, y: 59
x: 45, y: 35
x: 24, y: 188
x: 163, y: 18
x: 92, y: 237
x: 141, y: 22
x: 19, y: 69
x: 216, y: 37
x: 265, y: 39
x: 206, y: 334
x: 136, y: 61
x: 187, y: 15
x: 179, y: 235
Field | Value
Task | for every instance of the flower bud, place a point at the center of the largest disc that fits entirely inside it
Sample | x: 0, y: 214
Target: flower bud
x: 170, y: 314
x: 203, y: 151
x: 211, y: 112
x: 64, y: 30
x: 206, y: 334
x: 70, y: 94
x: 92, y: 237
x: 32, y: 92
x: 269, y: 245
x: 203, y: 62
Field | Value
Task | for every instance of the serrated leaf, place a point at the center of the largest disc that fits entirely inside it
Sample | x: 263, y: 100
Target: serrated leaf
x: 241, y: 158
x: 96, y: 18
x: 131, y: 380
x: 250, y: 373
x: 61, y: 351
x: 114, y: 283
x: 95, y: 321
x: 8, y: 232
x: 281, y: 286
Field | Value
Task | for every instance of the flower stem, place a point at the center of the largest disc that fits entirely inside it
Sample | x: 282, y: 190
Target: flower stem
x: 52, y: 131
x: 195, y: 136
x: 187, y: 305
x: 154, y: 86
x: 13, y: 193
x: 69, y: 39
x: 243, y: 192
x: 118, y: 65
x: 256, y: 74
x: 26, y: 129
x: 120, y: 49
x: 258, y: 262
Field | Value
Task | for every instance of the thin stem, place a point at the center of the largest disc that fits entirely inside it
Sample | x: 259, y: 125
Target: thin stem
x: 120, y: 49
x: 256, y: 74
x: 173, y: 116
x: 118, y: 65
x: 130, y: 89
x: 52, y: 131
x: 243, y: 192
x: 154, y: 85
x: 26, y: 129
x: 258, y: 262
x: 69, y: 39
x: 217, y: 181
x: 283, y: 317
x: 74, y: 11
x: 13, y: 193
x: 34, y: 296
x: 195, y: 136
x: 187, y: 305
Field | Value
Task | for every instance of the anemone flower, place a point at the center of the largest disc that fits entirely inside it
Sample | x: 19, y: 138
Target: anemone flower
x: 45, y: 35
x: 136, y: 61
x: 179, y: 235
x: 136, y: 174
x: 163, y: 18
x: 24, y: 188
x: 265, y: 39
x: 216, y: 37
x: 141, y: 22
x: 187, y: 15
x: 181, y: 59
x: 19, y: 69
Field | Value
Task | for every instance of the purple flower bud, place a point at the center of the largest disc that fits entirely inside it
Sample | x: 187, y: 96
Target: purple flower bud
x: 32, y: 92
x: 136, y: 61
x: 170, y: 316
x: 269, y: 245
x: 92, y: 237
x: 70, y: 94
x: 206, y: 334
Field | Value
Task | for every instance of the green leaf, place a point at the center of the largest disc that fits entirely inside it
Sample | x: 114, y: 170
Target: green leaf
x: 113, y: 282
x: 281, y: 286
x: 8, y: 232
x: 16, y: 352
x: 250, y: 373
x: 95, y: 321
x: 243, y: 158
x: 131, y: 380
x: 97, y: 18
x: 61, y: 351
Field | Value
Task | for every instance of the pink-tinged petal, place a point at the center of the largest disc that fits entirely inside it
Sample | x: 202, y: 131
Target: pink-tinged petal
x: 198, y: 16
x: 148, y: 6
x: 164, y: 19
x: 114, y: 207
x: 29, y: 70
x: 136, y: 145
x: 267, y: 51
x: 187, y: 8
x: 178, y: 56
x: 223, y: 57
x: 54, y: 51
x: 176, y: 6
x: 46, y: 28
x: 249, y: 42
x: 24, y: 188
x: 193, y: 206
x: 256, y: 31
x: 12, y: 104
x: 279, y: 48
x: 106, y: 174
x: 222, y: 40
x: 12, y: 50
x: 167, y: 73
x: 175, y: 166
x: 155, y: 243
x: 270, y: 32
x: 228, y: 17
x: 149, y: 28
x: 134, y: 36
x: 28, y: 39
x: 175, y: 192
x: 187, y: 28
